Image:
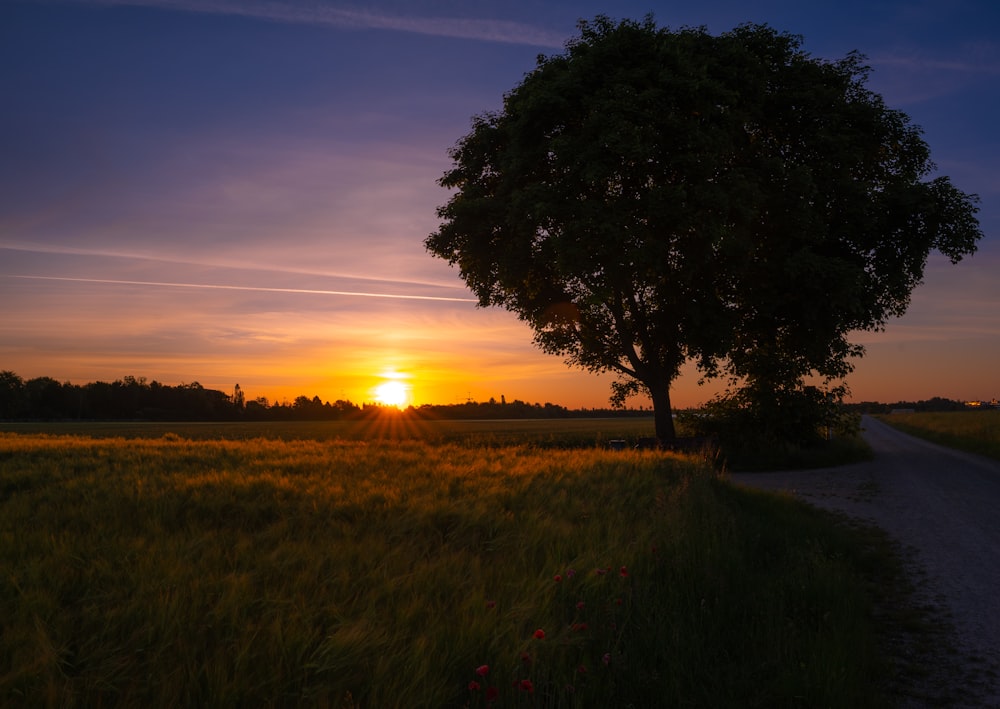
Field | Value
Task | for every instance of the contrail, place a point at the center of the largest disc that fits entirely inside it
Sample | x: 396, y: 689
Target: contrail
x: 332, y: 16
x: 235, y: 265
x: 968, y: 65
x: 258, y: 289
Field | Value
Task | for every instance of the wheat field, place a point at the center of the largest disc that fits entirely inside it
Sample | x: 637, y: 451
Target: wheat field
x: 270, y: 572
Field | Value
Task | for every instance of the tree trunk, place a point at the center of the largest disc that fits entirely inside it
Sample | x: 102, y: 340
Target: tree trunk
x: 663, y: 414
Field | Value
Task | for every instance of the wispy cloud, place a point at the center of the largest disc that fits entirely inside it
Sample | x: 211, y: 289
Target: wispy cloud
x: 228, y: 264
x: 913, y: 75
x: 326, y: 14
x: 256, y: 289
x: 963, y: 65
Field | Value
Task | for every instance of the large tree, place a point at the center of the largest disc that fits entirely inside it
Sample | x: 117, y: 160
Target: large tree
x: 651, y: 197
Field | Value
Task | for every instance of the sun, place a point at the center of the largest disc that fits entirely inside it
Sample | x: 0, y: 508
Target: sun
x: 391, y: 393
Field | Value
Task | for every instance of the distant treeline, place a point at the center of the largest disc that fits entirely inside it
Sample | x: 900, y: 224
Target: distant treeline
x: 132, y: 398
x: 936, y: 403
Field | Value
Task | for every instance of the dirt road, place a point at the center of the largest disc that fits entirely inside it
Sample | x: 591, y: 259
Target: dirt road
x: 943, y: 506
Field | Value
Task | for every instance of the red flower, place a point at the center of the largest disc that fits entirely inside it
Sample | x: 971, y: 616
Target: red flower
x: 601, y: 572
x: 580, y: 605
x: 623, y: 572
x: 492, y: 693
x: 539, y: 634
x: 527, y: 686
x: 607, y: 658
x: 582, y: 669
x: 579, y: 626
x: 483, y: 670
x: 557, y: 578
x: 525, y: 658
x: 491, y: 604
x: 473, y: 686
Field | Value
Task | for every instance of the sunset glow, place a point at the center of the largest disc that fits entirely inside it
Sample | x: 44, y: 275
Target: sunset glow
x: 252, y: 210
x: 392, y: 393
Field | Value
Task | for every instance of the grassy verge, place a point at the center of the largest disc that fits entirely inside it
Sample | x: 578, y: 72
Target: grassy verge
x: 973, y: 431
x: 269, y: 572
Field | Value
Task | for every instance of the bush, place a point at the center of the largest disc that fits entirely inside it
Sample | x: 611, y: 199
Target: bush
x: 771, y: 428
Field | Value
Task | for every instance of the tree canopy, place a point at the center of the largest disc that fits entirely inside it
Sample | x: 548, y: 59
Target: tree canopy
x: 651, y: 197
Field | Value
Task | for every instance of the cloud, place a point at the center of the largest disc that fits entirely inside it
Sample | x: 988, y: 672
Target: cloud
x: 973, y: 62
x: 325, y: 14
x: 116, y: 258
x: 260, y: 289
x: 295, y: 204
x: 914, y: 76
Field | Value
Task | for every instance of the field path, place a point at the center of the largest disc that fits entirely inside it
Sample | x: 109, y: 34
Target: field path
x: 944, y: 507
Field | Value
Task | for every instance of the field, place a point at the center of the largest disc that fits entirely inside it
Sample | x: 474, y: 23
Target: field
x: 973, y: 431
x: 560, y: 433
x: 160, y: 568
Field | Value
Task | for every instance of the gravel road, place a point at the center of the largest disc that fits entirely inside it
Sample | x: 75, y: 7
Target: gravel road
x: 943, y: 507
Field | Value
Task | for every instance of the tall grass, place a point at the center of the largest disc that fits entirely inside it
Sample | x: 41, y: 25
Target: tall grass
x: 974, y: 431
x: 171, y: 572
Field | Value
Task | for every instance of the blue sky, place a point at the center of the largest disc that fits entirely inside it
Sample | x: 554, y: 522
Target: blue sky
x: 228, y: 191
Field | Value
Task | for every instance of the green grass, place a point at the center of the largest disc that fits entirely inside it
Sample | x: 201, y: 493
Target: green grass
x: 286, y: 572
x: 973, y: 431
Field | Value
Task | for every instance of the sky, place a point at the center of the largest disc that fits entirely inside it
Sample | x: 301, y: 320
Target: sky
x: 238, y: 191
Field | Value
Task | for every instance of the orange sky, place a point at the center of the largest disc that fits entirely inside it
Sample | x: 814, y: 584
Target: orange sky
x: 443, y: 351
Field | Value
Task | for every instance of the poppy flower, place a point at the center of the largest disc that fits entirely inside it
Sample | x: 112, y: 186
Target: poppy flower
x: 491, y: 604
x: 473, y: 686
x: 623, y: 572
x: 557, y: 578
x: 539, y: 634
x: 483, y: 670
x: 492, y: 693
x: 580, y: 605
x: 607, y: 658
x: 527, y: 686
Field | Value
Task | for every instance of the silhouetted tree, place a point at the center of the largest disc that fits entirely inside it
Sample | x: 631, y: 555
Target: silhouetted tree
x: 45, y: 398
x: 12, y: 395
x: 239, y: 399
x: 651, y: 197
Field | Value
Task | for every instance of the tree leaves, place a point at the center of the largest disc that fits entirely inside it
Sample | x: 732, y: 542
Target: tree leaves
x: 652, y: 196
